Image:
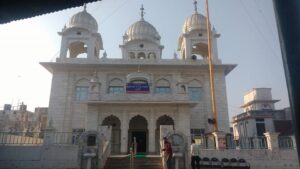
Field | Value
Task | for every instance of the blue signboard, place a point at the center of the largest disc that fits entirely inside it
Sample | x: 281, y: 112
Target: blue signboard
x: 137, y: 88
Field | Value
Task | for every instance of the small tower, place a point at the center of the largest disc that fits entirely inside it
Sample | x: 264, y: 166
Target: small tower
x: 259, y: 99
x: 141, y: 41
x: 193, y: 40
x: 80, y: 39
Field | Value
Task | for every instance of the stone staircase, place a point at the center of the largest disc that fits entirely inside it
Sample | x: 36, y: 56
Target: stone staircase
x: 139, y: 163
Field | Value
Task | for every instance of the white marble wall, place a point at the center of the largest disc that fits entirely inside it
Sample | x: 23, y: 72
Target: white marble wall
x: 68, y: 114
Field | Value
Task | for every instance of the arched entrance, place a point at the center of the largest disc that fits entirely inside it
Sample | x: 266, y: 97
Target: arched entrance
x: 138, y: 128
x: 115, y: 123
x: 162, y: 120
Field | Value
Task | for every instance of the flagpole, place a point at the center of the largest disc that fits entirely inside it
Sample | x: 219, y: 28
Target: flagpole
x: 211, y: 71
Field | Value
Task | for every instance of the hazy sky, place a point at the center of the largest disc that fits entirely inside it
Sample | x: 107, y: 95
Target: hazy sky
x: 248, y: 38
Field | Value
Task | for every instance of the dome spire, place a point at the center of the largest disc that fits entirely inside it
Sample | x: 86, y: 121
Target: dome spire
x: 195, y: 6
x: 142, y: 12
x: 84, y: 7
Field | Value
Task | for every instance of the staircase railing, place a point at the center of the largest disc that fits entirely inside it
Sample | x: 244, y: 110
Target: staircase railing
x: 162, y: 154
x: 133, y: 150
x: 106, y: 152
x: 105, y: 149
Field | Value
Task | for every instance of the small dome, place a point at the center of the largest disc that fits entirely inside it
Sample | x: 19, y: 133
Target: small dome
x: 194, y: 22
x: 84, y: 20
x: 142, y: 30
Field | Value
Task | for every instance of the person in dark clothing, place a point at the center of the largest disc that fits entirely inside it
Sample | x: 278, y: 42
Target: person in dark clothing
x: 195, y: 155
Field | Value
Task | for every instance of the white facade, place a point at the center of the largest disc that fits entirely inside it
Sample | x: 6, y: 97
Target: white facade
x: 89, y: 91
x: 259, y: 115
x: 259, y: 99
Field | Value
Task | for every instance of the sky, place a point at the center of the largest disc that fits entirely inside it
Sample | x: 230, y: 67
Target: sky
x: 248, y: 38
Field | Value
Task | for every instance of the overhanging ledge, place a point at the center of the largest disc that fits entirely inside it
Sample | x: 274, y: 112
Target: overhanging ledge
x: 140, y: 103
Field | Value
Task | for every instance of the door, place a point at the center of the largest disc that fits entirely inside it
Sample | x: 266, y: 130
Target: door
x: 141, y: 139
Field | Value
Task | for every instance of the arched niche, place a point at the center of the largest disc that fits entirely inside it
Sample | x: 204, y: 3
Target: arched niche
x: 200, y: 50
x: 138, y: 76
x: 141, y: 55
x: 81, y: 89
x: 116, y: 85
x: 151, y: 55
x: 195, y: 90
x: 131, y: 55
x: 195, y: 83
x: 162, y: 86
x: 77, y: 49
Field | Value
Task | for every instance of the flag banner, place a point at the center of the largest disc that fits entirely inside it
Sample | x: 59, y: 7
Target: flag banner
x: 137, y: 88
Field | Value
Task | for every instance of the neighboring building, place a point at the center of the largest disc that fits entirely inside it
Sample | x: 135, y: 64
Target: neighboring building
x: 141, y: 91
x: 16, y: 120
x: 261, y: 116
x: 41, y: 118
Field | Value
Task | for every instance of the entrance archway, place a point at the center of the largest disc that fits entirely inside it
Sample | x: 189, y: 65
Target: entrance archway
x: 138, y: 129
x: 162, y: 120
x: 115, y: 123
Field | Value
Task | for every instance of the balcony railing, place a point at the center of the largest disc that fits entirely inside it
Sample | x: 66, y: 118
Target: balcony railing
x: 208, y: 142
x: 246, y: 142
x: 20, y: 138
x: 285, y: 142
x: 37, y: 138
x: 124, y: 97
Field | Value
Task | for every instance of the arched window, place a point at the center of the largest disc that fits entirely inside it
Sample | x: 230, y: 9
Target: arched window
x: 141, y: 55
x: 195, y: 90
x: 131, y: 55
x: 77, y: 49
x: 151, y: 55
x: 200, y: 50
x: 162, y: 87
x: 81, y: 90
x: 116, y: 86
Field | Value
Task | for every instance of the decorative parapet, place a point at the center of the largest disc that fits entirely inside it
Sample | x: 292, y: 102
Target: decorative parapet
x: 143, y: 98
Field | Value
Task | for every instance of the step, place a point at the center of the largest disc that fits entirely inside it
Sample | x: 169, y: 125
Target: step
x: 139, y: 163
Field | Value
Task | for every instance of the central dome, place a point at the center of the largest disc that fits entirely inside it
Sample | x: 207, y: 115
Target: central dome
x: 84, y: 20
x: 141, y: 30
x: 194, y: 22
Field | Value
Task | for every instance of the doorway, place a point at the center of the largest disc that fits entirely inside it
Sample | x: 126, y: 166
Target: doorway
x: 138, y: 129
x: 141, y: 140
x: 162, y: 120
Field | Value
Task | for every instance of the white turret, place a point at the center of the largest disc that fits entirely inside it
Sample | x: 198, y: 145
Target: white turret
x: 192, y: 43
x: 141, y: 41
x: 80, y: 39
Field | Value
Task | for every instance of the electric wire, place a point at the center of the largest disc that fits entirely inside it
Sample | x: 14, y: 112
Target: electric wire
x: 114, y: 11
x: 267, y: 22
x: 258, y: 30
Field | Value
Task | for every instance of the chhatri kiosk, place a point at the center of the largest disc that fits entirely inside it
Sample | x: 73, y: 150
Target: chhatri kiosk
x: 141, y: 91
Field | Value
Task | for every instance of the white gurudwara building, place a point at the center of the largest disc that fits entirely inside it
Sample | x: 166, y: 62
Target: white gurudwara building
x: 140, y: 91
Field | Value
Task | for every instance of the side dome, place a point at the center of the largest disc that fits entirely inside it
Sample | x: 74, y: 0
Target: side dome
x: 142, y: 30
x: 83, y: 20
x: 194, y: 22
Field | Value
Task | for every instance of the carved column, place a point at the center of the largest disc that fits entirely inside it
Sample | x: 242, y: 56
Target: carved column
x: 151, y: 130
x: 124, y: 133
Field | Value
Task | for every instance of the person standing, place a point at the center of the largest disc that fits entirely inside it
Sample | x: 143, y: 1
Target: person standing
x: 195, y: 155
x: 168, y: 153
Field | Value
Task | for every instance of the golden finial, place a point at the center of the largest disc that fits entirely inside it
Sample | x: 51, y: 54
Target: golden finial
x: 84, y: 7
x: 195, y: 6
x: 142, y: 12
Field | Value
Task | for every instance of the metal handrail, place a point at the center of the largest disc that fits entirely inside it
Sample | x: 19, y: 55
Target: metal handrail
x: 133, y: 151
